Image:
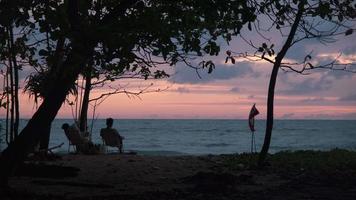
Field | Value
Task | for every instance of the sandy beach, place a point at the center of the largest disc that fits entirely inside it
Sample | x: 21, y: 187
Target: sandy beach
x: 175, y: 177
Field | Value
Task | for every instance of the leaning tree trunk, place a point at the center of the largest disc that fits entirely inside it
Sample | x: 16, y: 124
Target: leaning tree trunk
x: 270, y: 105
x: 272, y: 84
x: 16, y: 152
x: 42, y: 119
x: 44, y: 138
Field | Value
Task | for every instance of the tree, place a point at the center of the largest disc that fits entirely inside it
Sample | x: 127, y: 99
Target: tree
x: 12, y: 58
x: 303, y: 20
x: 127, y: 31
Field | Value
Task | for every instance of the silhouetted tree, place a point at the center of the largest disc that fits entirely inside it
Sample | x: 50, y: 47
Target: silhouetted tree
x: 321, y: 20
x: 13, y: 53
x: 124, y: 36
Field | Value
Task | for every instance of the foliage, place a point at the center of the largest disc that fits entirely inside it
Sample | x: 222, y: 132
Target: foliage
x: 299, y: 161
x: 130, y: 44
x: 334, y: 160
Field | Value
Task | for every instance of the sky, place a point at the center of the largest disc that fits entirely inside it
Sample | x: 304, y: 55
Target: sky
x: 231, y: 90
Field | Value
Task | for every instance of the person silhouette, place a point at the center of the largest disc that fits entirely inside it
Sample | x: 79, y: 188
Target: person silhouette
x: 111, y: 136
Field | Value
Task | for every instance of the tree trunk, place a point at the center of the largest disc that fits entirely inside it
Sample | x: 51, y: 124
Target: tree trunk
x: 83, y: 121
x: 7, y: 107
x: 12, y: 96
x: 44, y: 140
x: 270, y: 105
x: 42, y: 119
x: 272, y: 84
x: 16, y: 84
x: 16, y: 152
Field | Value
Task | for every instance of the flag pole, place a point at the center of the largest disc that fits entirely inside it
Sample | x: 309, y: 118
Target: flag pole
x: 252, y: 136
x: 254, y: 142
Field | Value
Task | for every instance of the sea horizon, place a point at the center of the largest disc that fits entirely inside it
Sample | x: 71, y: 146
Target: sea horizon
x: 214, y: 136
x: 292, y: 119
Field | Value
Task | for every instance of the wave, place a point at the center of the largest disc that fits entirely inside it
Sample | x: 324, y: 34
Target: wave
x: 159, y: 153
x: 297, y: 129
x: 217, y: 145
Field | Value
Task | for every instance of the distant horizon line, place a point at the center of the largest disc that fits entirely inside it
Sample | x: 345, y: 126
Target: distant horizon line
x: 305, y: 119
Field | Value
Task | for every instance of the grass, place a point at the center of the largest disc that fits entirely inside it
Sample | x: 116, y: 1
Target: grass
x: 296, y: 161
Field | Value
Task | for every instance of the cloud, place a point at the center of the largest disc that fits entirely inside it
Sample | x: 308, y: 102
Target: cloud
x: 221, y: 72
x: 183, y: 90
x: 297, y: 52
x: 325, y: 59
x: 351, y: 97
x: 332, y: 116
x: 313, y: 100
x: 287, y: 116
x: 339, y: 74
x: 349, y: 50
x: 235, y: 90
x: 308, y: 86
x: 227, y: 103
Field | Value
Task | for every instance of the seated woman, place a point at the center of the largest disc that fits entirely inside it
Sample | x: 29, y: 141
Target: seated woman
x: 73, y: 136
x: 82, y: 144
x: 111, y: 136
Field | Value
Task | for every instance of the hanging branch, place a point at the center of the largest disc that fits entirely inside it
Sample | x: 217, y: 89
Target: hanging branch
x: 303, y: 68
x: 130, y: 94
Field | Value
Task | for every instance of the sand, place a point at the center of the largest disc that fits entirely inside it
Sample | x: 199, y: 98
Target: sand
x: 173, y: 177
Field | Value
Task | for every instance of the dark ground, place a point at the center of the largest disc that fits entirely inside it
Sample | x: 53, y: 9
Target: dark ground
x: 299, y: 175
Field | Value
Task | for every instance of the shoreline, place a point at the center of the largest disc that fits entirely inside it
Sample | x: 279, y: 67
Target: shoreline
x: 297, y: 175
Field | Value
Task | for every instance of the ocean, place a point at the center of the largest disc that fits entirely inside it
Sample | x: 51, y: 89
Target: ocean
x: 205, y: 136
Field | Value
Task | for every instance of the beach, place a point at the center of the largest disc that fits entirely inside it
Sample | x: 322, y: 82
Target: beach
x: 230, y: 176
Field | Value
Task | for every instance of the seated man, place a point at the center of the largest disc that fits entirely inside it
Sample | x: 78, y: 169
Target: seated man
x: 111, y: 136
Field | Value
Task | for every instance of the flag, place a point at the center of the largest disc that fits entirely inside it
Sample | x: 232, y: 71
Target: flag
x: 251, y: 117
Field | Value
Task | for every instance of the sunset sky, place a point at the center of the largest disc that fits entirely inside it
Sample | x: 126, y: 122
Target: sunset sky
x: 230, y: 91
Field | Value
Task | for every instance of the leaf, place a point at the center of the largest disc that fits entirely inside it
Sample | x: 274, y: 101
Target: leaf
x: 210, y: 65
x: 249, y: 26
x: 349, y: 32
x: 308, y: 57
x: 210, y: 70
x: 260, y: 49
x: 155, y: 52
x: 340, y: 17
x: 42, y: 52
x: 264, y: 45
x: 134, y: 68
